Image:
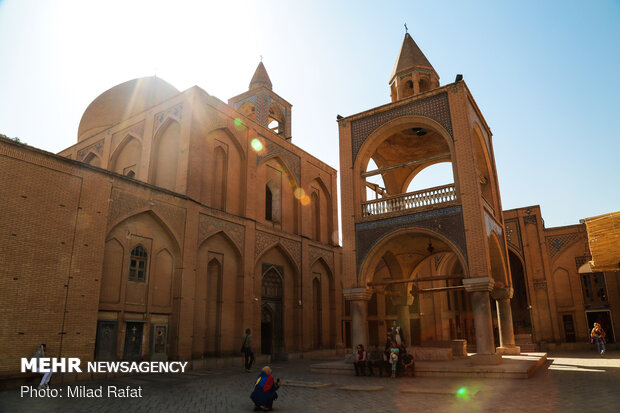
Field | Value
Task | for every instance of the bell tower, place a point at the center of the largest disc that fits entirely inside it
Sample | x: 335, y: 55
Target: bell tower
x: 413, y: 74
x: 400, y: 233
x: 261, y: 104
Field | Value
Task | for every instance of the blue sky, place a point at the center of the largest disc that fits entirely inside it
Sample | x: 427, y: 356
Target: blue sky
x: 544, y: 74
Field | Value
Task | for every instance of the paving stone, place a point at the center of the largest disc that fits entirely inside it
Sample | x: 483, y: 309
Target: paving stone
x: 573, y: 382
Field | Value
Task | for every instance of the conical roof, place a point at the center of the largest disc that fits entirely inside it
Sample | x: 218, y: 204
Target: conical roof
x: 410, y: 56
x: 260, y: 78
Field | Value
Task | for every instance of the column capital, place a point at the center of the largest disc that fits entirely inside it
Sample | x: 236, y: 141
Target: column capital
x: 357, y: 294
x: 502, y: 293
x: 478, y: 284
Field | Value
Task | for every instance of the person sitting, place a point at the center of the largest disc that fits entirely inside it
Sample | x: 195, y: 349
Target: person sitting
x: 376, y: 360
x: 265, y: 390
x: 360, y: 360
x: 408, y: 365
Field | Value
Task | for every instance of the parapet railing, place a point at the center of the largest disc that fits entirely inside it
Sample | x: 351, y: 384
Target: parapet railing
x: 409, y: 201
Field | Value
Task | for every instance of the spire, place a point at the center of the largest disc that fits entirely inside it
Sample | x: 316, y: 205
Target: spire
x: 260, y: 78
x: 410, y: 56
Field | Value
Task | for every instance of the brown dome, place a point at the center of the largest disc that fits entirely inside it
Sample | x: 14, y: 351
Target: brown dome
x: 122, y: 102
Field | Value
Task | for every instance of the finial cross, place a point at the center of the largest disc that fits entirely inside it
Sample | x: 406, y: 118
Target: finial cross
x: 406, y: 28
x: 261, y: 57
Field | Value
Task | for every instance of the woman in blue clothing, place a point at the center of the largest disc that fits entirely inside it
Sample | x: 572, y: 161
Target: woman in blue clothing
x: 265, y: 390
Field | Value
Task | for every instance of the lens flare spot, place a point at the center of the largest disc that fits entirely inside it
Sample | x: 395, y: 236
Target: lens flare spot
x: 305, y: 200
x: 238, y: 123
x: 299, y: 193
x: 256, y: 144
x: 463, y: 394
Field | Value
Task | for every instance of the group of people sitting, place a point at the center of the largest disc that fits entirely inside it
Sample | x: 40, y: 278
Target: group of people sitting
x: 394, y: 360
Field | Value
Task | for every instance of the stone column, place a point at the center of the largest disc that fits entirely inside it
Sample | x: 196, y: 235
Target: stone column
x: 504, y: 320
x: 358, y: 298
x: 405, y: 325
x: 479, y: 289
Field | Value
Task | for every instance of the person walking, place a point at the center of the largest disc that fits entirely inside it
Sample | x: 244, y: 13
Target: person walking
x: 265, y: 390
x: 597, y: 336
x: 44, y: 384
x: 246, y: 349
x: 361, y: 359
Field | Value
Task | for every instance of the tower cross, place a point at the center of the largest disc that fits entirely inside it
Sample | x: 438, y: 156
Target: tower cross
x: 406, y: 28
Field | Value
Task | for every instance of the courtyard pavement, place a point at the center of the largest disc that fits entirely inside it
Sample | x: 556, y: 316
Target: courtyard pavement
x: 570, y: 382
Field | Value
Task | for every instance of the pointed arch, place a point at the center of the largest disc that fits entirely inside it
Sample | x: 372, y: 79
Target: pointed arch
x: 486, y: 170
x: 324, y: 304
x: 217, y: 287
x: 165, y: 154
x: 163, y: 223
x: 92, y: 159
x: 127, y: 155
x: 248, y: 109
x: 499, y: 271
x: 285, y: 168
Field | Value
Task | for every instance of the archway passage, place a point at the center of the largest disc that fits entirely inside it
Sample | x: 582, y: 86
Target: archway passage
x: 433, y: 306
x: 519, y: 304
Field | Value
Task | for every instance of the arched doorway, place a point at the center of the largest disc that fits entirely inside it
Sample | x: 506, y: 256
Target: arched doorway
x: 271, y: 315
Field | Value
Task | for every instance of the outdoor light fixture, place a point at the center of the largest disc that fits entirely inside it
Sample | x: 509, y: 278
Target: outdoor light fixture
x: 421, y: 132
x: 430, y: 247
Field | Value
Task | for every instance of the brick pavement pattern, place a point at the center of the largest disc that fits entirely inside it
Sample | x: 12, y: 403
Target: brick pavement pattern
x: 572, y: 383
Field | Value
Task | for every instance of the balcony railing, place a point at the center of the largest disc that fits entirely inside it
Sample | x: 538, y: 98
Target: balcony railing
x: 409, y: 201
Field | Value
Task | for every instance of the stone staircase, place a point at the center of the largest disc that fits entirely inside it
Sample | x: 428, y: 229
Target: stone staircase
x: 525, y: 342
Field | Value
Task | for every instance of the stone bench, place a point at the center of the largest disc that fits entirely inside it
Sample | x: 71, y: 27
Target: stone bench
x: 459, y: 347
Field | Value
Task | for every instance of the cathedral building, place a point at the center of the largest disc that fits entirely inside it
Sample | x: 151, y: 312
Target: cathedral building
x: 173, y: 224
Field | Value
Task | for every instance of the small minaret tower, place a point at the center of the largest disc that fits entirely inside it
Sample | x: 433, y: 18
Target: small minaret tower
x: 262, y: 105
x: 413, y: 74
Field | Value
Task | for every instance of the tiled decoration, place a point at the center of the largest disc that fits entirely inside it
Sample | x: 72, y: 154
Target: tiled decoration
x: 445, y: 221
x: 265, y: 240
x: 434, y: 107
x: 96, y: 147
x: 208, y: 225
x: 557, y: 243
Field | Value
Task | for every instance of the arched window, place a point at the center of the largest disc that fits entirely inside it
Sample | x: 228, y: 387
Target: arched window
x: 276, y: 119
x: 220, y: 172
x: 268, y: 204
x: 137, y: 264
x: 315, y: 206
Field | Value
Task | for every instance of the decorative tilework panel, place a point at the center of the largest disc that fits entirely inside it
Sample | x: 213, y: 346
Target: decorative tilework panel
x: 445, y: 221
x: 434, y: 107
x: 96, y: 147
x: 556, y: 244
x: 265, y: 240
x: 513, y: 234
x: 208, y: 225
x: 122, y: 204
x: 292, y: 161
x: 492, y: 225
x: 175, y: 111
x: 327, y: 255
